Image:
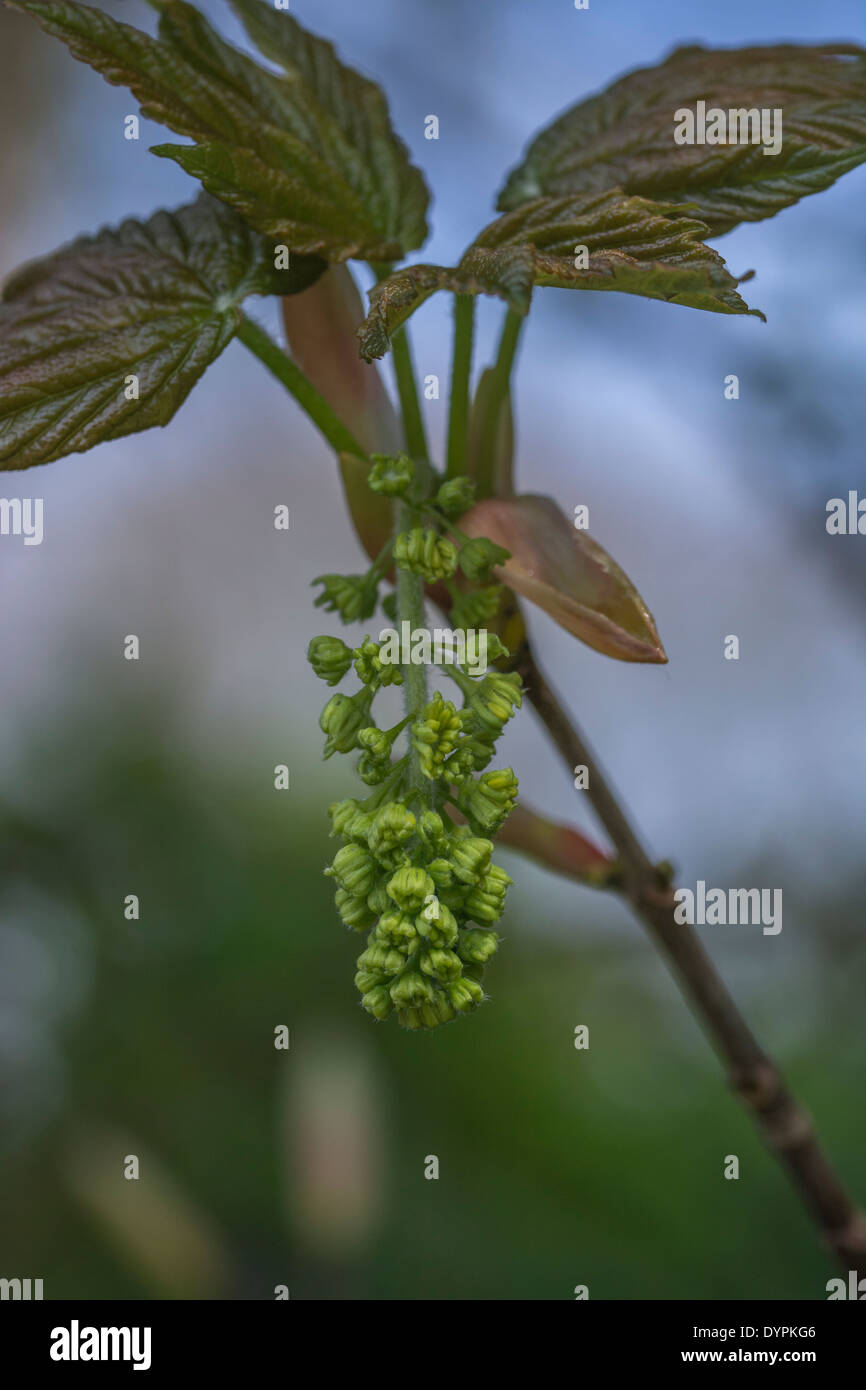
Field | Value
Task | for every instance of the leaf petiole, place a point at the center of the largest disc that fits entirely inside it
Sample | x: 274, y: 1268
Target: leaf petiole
x: 289, y: 374
x: 458, y: 417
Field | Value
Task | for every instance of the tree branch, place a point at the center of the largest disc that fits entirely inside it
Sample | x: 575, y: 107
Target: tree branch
x: 785, y: 1127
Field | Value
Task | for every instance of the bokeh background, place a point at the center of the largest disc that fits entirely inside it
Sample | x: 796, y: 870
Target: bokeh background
x: 306, y: 1168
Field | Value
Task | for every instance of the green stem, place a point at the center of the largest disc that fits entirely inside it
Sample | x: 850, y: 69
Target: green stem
x: 382, y: 561
x: 461, y: 368
x: 500, y: 380
x: 410, y: 608
x: 290, y: 375
x: 413, y: 424
x: 410, y: 587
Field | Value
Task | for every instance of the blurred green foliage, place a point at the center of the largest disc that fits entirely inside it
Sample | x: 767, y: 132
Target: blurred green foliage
x: 305, y: 1167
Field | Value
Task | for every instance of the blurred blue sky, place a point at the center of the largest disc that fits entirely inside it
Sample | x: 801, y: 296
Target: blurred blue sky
x: 715, y: 508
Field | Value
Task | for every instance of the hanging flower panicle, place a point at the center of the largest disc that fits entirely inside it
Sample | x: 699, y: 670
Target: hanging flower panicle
x: 415, y: 870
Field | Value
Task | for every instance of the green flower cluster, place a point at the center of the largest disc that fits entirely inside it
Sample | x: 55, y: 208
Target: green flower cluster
x: 426, y: 892
x: 415, y: 870
x: 423, y: 551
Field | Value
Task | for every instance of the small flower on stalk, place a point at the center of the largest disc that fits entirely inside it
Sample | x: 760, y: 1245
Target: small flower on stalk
x: 486, y: 902
x: 330, y: 658
x: 455, y: 496
x: 390, y: 476
x: 354, y: 868
x: 435, y: 734
x: 342, y: 719
x: 493, y: 699
x: 424, y: 552
x: 371, y: 670
x: 392, y: 826
x: 476, y: 608
x: 478, y: 558
x: 409, y: 888
x: 476, y: 946
x: 486, y: 802
x: 353, y: 596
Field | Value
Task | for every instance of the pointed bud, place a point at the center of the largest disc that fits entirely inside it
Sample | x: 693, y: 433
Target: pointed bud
x: 570, y: 576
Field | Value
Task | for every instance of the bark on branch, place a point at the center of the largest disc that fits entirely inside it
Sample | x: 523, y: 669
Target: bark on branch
x: 785, y: 1127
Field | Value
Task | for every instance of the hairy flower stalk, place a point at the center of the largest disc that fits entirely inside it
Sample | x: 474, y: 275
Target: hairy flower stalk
x: 421, y: 885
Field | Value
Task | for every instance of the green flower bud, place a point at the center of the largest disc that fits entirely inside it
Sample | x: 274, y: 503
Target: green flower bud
x: 486, y: 902
x: 365, y: 980
x: 355, y: 869
x: 375, y: 741
x: 439, y: 926
x: 474, y: 755
x: 487, y: 802
x: 378, y: 1003
x: 378, y: 901
x: 476, y: 609
x: 478, y: 557
x: 341, y: 719
x: 496, y: 648
x: 428, y: 1015
x: 410, y: 988
x: 460, y: 765
x: 465, y: 994
x: 397, y: 930
x: 442, y: 965
x: 493, y: 699
x: 361, y: 827
x: 441, y: 873
x: 471, y: 971
x: 470, y: 857
x: 374, y: 765
x: 381, y: 960
x: 370, y: 668
x: 455, y: 495
x: 372, y: 771
x: 424, y: 552
x: 353, y: 596
x: 476, y: 946
x: 330, y: 658
x: 390, y: 476
x: 393, y: 824
x: 409, y: 887
x: 453, y: 897
x: 435, y: 734
x: 353, y: 911
x: 431, y: 831
x: 343, y: 815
